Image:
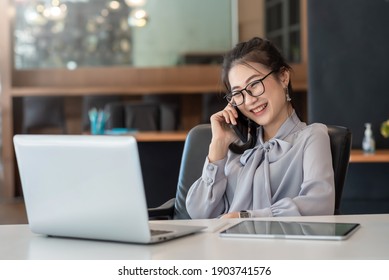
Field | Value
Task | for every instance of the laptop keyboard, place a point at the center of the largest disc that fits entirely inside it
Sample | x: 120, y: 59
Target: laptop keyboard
x: 158, y: 232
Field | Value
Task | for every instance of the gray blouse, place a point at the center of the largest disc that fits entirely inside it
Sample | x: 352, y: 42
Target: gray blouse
x: 289, y: 175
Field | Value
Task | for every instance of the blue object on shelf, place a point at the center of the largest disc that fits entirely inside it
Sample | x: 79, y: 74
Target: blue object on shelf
x: 120, y: 131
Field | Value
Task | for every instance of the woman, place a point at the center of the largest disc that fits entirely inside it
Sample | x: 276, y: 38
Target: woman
x: 285, y: 169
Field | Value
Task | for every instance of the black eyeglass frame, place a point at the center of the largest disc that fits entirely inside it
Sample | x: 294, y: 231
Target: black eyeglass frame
x: 229, y: 96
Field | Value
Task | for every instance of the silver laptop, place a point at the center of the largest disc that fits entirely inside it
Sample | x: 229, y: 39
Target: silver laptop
x: 87, y: 187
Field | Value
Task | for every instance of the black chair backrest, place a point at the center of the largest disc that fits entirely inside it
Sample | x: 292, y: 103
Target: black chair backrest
x: 192, y: 162
x: 142, y: 115
x: 43, y: 112
x: 196, y: 149
x: 340, y: 138
x: 116, y: 115
x: 169, y: 109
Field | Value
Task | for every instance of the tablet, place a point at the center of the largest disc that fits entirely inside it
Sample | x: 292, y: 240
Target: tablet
x: 291, y: 230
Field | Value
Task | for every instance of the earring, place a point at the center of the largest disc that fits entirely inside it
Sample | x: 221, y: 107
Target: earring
x: 288, y: 99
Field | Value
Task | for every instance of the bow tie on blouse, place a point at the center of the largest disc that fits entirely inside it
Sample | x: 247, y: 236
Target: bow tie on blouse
x: 272, y: 150
x: 263, y: 153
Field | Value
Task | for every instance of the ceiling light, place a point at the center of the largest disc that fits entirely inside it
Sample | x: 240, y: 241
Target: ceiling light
x: 138, y: 18
x: 135, y: 3
x: 114, y: 5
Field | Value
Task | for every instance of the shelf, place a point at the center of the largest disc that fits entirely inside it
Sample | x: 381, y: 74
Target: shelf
x: 114, y: 90
x: 357, y: 156
x: 128, y: 81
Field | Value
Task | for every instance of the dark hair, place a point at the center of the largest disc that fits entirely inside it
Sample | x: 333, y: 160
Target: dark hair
x: 256, y: 50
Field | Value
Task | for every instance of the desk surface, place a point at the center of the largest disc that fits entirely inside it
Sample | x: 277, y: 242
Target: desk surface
x: 369, y: 242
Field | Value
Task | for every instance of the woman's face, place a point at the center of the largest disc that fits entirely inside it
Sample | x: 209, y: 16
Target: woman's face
x: 269, y: 109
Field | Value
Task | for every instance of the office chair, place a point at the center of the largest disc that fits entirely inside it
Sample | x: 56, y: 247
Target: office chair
x: 192, y: 161
x: 116, y: 115
x: 340, y: 139
x: 142, y: 115
x: 211, y: 103
x: 169, y: 105
x: 41, y: 112
x: 196, y: 149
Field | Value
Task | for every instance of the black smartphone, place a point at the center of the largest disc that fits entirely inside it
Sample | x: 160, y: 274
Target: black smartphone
x: 242, y: 127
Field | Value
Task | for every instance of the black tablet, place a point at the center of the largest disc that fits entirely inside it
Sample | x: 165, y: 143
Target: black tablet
x: 291, y: 230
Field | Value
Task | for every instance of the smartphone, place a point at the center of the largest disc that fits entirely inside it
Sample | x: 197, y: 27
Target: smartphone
x: 242, y: 127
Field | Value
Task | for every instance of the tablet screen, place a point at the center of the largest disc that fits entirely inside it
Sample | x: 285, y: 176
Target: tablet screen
x: 295, y: 230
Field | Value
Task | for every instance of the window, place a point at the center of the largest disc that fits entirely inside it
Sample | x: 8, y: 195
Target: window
x: 283, y: 27
x: 94, y: 33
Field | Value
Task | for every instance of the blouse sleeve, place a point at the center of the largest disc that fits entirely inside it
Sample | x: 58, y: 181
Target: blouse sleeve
x: 205, y: 197
x: 317, y: 196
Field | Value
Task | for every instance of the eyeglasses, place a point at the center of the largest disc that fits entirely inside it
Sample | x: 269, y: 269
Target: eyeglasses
x: 255, y: 89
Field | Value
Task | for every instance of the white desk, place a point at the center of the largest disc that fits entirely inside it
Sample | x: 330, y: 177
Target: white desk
x: 371, y: 241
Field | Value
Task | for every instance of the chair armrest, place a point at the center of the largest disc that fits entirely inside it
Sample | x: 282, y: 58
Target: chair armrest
x: 163, y: 212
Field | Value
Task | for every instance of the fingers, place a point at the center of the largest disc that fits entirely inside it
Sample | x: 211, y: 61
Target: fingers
x: 230, y: 114
x: 227, y: 116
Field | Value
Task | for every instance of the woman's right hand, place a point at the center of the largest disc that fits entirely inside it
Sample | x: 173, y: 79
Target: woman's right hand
x: 222, y: 133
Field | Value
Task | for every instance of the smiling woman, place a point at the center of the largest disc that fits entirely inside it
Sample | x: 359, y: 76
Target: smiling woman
x: 148, y: 33
x: 285, y: 167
